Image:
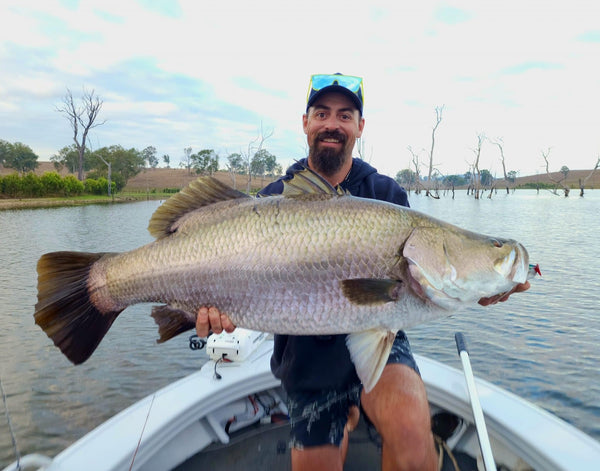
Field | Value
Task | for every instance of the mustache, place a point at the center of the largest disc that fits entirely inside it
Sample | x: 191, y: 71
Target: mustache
x: 332, y: 135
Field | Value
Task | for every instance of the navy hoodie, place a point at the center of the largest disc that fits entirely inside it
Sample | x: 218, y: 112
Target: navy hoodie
x: 312, y: 363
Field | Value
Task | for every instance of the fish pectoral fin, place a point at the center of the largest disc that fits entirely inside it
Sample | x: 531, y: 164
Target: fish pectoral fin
x: 172, y: 321
x: 370, y: 291
x: 369, y: 351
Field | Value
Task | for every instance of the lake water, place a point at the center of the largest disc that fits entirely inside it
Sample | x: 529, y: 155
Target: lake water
x: 543, y: 345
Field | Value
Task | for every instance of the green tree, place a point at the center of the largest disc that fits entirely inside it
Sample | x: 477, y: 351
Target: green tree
x: 455, y: 180
x: 263, y: 163
x: 406, y: 177
x: 512, y: 176
x: 5, y: 147
x: 167, y: 160
x: 68, y: 157
x: 149, y: 155
x: 205, y: 162
x: 486, y: 177
x: 19, y: 156
x: 565, y: 170
x: 124, y: 164
x: 236, y: 164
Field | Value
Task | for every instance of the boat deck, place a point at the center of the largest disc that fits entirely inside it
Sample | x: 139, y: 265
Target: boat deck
x: 266, y: 447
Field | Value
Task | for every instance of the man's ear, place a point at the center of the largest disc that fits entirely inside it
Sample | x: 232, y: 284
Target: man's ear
x: 361, y: 126
x: 305, y: 123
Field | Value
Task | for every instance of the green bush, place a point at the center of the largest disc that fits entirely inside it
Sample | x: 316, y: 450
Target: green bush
x: 99, y: 186
x: 52, y: 183
x: 12, y: 185
x: 72, y: 186
x: 32, y: 186
x: 90, y: 185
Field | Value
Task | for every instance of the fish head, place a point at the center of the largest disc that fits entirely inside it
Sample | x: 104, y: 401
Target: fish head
x: 449, y: 266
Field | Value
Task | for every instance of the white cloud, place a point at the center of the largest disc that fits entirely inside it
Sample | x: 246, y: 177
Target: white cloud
x: 210, y: 73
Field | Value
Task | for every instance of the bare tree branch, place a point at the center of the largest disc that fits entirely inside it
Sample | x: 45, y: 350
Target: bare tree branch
x: 84, y: 117
x: 476, y: 171
x: 438, y: 120
x: 566, y: 189
x: 253, y: 149
x: 417, y: 165
x: 582, y: 183
x: 500, y: 143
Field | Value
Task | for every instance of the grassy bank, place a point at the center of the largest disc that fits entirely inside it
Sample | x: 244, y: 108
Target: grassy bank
x: 55, y: 202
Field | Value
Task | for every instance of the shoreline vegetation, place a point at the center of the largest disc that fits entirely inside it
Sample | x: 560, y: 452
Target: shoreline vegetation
x: 161, y: 183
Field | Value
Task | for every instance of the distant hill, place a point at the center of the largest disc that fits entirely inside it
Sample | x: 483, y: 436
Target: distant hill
x: 161, y: 178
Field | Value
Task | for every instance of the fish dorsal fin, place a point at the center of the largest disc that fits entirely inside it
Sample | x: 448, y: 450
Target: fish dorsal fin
x: 202, y: 192
x: 307, y: 182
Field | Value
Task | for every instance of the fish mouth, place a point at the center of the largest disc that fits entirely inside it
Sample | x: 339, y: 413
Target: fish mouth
x: 520, y: 267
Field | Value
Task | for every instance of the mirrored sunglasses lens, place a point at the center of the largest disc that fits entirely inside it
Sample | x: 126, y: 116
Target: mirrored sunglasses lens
x: 349, y: 82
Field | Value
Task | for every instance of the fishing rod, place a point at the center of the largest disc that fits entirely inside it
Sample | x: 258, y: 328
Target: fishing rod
x: 10, y: 427
x: 484, y: 439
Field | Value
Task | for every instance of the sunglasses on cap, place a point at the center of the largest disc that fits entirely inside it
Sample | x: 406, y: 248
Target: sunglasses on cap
x: 349, y: 85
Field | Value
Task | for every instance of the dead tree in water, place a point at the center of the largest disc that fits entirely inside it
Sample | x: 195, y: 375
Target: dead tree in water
x: 561, y: 182
x: 417, y: 165
x: 499, y: 143
x: 438, y: 120
x: 582, y: 183
x: 475, y: 165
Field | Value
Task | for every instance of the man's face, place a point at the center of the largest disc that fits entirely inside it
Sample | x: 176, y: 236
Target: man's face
x: 332, y: 126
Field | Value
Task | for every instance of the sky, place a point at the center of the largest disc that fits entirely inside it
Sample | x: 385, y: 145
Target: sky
x: 217, y: 74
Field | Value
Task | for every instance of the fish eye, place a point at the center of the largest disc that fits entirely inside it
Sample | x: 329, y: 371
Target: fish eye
x: 497, y: 243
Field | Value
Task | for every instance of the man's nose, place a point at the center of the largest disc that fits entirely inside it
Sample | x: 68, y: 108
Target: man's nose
x: 331, y: 123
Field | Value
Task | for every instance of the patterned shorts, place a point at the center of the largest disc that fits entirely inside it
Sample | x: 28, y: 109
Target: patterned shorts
x: 319, y: 418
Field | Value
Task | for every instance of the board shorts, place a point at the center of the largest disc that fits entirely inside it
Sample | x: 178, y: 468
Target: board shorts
x: 319, y: 418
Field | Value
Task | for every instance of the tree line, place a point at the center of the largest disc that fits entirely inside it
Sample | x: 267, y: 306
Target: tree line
x: 123, y: 164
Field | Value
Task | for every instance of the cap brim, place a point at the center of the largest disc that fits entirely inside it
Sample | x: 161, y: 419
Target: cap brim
x: 337, y: 89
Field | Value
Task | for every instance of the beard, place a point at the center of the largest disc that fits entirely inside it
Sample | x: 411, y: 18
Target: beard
x: 327, y: 161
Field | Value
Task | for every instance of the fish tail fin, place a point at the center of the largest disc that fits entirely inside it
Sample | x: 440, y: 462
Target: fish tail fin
x: 64, y: 309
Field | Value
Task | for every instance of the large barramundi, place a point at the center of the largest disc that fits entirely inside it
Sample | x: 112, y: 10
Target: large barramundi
x: 310, y: 261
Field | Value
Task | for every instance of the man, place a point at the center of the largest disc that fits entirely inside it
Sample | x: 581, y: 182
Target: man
x: 316, y: 371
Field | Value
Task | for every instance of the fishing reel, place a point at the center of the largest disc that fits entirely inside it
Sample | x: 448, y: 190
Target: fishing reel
x: 197, y: 343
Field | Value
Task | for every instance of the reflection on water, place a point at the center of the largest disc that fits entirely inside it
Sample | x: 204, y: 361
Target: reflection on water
x: 542, y: 345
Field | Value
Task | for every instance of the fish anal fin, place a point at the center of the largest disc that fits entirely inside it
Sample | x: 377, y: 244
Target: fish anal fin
x: 64, y: 310
x: 369, y: 351
x: 172, y: 321
x: 200, y: 193
x: 371, y: 291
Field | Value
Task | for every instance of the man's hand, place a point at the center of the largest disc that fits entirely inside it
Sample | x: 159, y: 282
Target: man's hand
x: 210, y: 318
x: 504, y: 296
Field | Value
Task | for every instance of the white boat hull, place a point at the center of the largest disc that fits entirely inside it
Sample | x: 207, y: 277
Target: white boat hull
x: 178, y: 422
